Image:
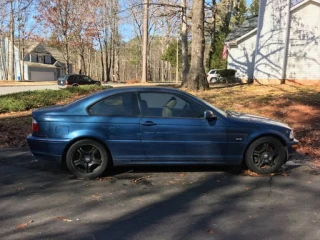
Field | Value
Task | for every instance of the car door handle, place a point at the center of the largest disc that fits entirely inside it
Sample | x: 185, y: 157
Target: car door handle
x: 148, y: 123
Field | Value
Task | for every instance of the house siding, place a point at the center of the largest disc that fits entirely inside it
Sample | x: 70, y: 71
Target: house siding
x: 271, y: 40
x: 241, y: 58
x: 38, y: 62
x: 304, y: 48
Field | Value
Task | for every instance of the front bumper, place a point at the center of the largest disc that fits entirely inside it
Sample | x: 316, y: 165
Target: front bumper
x: 47, y: 148
x: 292, y: 147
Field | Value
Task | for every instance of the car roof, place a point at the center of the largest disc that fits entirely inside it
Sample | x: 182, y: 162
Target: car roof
x: 110, y: 91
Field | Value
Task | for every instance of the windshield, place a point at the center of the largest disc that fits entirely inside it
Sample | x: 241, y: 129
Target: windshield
x: 220, y: 111
x: 62, y: 78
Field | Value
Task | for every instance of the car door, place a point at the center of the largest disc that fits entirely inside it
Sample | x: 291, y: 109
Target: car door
x: 173, y: 129
x: 117, y: 118
x: 80, y: 80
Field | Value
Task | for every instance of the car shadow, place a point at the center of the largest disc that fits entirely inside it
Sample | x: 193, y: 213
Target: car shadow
x: 233, y: 170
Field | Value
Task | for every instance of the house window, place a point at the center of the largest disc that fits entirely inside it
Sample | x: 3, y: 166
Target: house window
x: 47, y: 59
x: 295, y: 2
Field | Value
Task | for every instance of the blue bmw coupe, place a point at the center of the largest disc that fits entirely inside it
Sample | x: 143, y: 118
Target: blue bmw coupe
x: 155, y: 126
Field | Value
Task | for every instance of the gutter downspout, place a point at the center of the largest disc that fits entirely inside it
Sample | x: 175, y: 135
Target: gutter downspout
x: 286, y: 45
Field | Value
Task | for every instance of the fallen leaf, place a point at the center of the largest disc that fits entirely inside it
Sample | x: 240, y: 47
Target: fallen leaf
x: 140, y: 179
x: 210, y: 231
x: 22, y: 225
x: 182, y: 174
x: 63, y: 219
x: 247, y: 188
x: 107, y: 178
x: 96, y: 197
x: 309, y: 182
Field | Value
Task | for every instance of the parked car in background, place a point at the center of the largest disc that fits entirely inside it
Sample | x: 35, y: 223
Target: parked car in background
x: 155, y: 126
x: 75, y: 80
x: 212, y: 76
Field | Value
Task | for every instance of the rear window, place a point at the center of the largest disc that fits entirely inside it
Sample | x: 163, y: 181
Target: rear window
x: 62, y: 78
x: 122, y: 104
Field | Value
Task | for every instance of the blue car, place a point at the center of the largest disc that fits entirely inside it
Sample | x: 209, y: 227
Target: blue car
x: 155, y: 126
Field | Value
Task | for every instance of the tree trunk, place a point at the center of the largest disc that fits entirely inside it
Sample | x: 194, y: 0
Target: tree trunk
x: 22, y: 58
x: 184, y: 43
x: 213, y: 33
x: 145, y: 42
x: 197, y: 77
x: 11, y: 62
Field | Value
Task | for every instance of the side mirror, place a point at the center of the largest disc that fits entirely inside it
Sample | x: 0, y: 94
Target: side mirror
x: 209, y: 115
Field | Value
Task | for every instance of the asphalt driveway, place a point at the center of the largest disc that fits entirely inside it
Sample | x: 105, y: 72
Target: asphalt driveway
x: 41, y: 201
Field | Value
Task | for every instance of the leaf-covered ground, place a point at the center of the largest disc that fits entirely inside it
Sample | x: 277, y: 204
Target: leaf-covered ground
x: 299, y: 106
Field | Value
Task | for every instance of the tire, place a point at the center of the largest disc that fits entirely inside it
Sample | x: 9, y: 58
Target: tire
x: 87, y: 158
x: 213, y: 80
x: 75, y: 85
x: 265, y: 155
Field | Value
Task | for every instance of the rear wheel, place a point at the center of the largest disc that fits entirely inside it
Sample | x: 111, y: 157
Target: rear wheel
x: 265, y: 155
x: 87, y: 158
x: 213, y: 80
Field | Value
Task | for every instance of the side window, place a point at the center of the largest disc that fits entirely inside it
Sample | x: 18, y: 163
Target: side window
x: 157, y: 104
x: 86, y: 79
x: 122, y: 104
x: 80, y: 79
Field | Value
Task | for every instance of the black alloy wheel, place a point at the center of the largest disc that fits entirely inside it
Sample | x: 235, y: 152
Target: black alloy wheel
x: 87, y: 158
x: 265, y: 155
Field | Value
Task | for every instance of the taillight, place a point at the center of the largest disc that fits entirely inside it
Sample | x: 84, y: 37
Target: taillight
x: 35, y: 126
x: 67, y: 83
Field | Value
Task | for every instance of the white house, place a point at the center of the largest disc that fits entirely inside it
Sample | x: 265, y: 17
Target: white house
x: 282, y: 43
x: 41, y: 62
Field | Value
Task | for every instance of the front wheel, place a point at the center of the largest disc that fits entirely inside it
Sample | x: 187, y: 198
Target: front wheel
x: 265, y: 155
x: 87, y: 158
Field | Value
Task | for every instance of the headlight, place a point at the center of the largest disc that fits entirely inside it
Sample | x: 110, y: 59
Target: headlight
x: 291, y: 135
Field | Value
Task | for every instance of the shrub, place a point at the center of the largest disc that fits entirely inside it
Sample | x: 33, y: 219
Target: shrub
x: 227, y: 73
x: 23, y: 101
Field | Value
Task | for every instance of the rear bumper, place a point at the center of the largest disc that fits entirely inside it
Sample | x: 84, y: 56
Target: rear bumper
x: 45, y: 148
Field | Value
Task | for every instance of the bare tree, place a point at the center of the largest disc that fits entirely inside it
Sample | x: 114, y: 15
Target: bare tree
x: 197, y: 77
x: 25, y: 30
x: 11, y: 51
x: 184, y: 41
x: 60, y: 16
x: 145, y: 41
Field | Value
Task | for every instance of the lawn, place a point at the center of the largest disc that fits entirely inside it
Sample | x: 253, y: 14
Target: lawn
x: 299, y: 106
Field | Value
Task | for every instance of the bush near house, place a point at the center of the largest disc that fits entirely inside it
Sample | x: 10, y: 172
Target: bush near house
x: 227, y: 73
x: 24, y: 101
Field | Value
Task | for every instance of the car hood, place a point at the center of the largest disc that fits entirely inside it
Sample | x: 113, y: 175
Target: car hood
x: 255, y: 119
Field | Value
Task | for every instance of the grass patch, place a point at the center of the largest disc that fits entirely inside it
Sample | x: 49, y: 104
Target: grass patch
x: 23, y: 101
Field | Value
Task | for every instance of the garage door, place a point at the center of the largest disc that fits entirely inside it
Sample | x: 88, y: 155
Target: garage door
x: 42, y: 76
